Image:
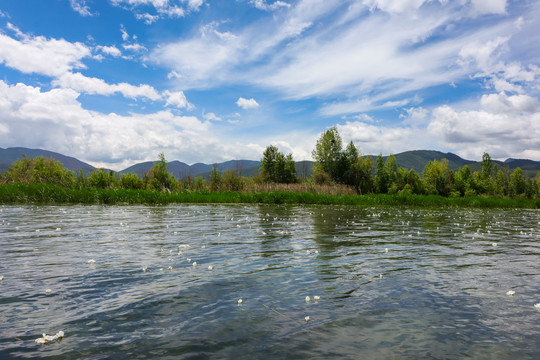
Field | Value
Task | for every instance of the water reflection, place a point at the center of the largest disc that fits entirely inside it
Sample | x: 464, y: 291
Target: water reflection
x: 393, y: 282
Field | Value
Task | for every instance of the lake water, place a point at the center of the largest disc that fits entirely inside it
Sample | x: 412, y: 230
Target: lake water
x: 394, y: 283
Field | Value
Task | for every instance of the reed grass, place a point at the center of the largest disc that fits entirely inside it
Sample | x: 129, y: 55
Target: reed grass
x: 52, y: 194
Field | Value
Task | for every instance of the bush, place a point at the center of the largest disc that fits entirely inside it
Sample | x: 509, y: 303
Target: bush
x: 131, y: 181
x: 40, y: 170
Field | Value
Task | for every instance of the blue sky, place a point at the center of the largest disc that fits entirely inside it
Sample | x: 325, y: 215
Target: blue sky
x: 116, y: 82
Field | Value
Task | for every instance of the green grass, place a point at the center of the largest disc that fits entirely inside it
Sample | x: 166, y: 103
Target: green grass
x: 51, y: 194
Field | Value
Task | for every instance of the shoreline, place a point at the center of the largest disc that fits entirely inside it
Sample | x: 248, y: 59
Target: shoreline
x: 52, y: 194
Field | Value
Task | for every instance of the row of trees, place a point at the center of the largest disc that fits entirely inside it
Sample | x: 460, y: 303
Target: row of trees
x: 334, y: 164
x: 50, y: 171
x: 348, y: 167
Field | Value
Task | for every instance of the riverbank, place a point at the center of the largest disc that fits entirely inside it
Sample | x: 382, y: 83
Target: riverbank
x: 51, y: 194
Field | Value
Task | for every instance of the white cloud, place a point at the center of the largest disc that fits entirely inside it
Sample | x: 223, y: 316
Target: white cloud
x: 247, y: 103
x: 177, y: 99
x: 109, y: 50
x: 194, y: 4
x: 91, y: 85
x: 148, y: 19
x: 505, y: 126
x: 41, y: 55
x: 125, y: 35
x: 80, y: 7
x: 212, y: 116
x: 262, y: 5
x: 134, y: 47
x: 394, y: 6
x: 162, y: 8
x: 482, y: 7
x: 56, y: 121
x: 378, y: 139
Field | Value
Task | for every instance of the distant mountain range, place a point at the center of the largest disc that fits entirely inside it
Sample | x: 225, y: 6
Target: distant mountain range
x: 416, y: 160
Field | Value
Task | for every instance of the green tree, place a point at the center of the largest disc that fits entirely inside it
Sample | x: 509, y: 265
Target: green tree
x: 381, y: 178
x: 502, y: 182
x: 215, y: 179
x: 391, y: 171
x: 438, y: 178
x: 40, y: 170
x: 328, y: 154
x: 131, y: 181
x: 517, y: 185
x: 463, y: 180
x: 232, y: 180
x: 159, y: 176
x: 360, y: 175
x: 276, y: 167
x: 101, y: 178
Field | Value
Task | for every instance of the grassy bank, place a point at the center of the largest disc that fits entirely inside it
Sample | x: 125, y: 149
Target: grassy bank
x: 51, y: 194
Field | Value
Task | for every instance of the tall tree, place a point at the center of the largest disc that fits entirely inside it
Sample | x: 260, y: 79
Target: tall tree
x: 328, y: 153
x: 381, y: 178
x: 276, y: 167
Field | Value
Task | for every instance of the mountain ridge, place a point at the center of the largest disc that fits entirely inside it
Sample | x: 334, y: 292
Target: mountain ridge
x: 413, y: 159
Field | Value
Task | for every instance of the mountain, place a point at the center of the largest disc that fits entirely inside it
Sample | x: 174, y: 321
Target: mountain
x: 182, y: 170
x: 10, y: 155
x: 416, y: 160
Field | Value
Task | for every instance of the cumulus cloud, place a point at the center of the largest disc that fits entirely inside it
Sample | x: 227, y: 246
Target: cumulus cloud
x: 55, y: 120
x: 41, y: 55
x: 109, y: 50
x: 379, y: 139
x: 504, y: 126
x: 212, y: 116
x: 91, y: 85
x: 177, y: 99
x: 247, y: 103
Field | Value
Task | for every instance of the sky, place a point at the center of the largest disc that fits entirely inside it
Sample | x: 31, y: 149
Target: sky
x: 116, y: 82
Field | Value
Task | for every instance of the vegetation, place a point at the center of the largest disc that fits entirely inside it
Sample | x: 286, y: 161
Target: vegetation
x: 339, y: 176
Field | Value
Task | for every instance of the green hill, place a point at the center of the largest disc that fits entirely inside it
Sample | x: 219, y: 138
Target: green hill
x: 415, y: 160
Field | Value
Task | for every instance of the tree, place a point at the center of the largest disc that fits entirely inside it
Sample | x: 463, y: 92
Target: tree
x: 360, y: 175
x: 391, y: 171
x: 517, y: 185
x: 101, y: 178
x: 328, y: 153
x: 438, y: 178
x: 277, y: 168
x: 381, y: 178
x: 159, y: 176
x: 215, y: 179
x: 463, y: 180
x: 40, y: 170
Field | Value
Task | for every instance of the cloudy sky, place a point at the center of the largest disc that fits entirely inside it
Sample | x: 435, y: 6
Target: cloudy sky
x: 115, y: 82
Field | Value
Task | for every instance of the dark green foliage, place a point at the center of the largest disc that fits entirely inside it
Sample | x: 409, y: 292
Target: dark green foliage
x: 232, y: 180
x: 40, y: 170
x: 381, y: 178
x: 276, y: 167
x: 131, y: 181
x: 328, y: 154
x: 102, y: 179
x: 52, y: 194
x: 159, y: 177
x: 215, y: 179
x: 438, y: 178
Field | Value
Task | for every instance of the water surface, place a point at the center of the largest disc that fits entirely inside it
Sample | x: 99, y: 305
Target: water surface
x: 393, y: 282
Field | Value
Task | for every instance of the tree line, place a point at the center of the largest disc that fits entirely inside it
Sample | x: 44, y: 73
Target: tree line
x: 334, y: 165
x: 339, y: 165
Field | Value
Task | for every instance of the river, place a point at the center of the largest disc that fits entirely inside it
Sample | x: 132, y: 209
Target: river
x: 164, y: 282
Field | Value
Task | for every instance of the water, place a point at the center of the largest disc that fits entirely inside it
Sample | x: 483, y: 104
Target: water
x: 439, y: 291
